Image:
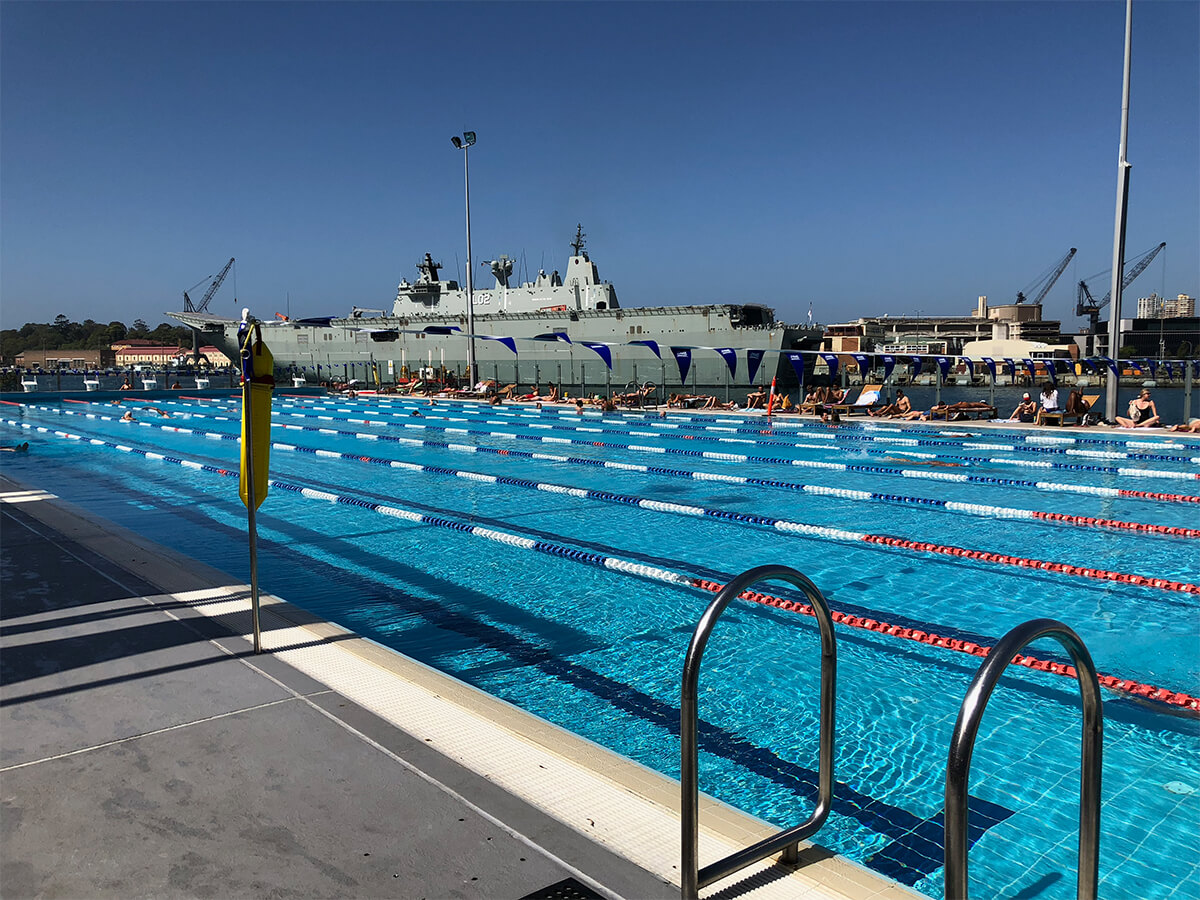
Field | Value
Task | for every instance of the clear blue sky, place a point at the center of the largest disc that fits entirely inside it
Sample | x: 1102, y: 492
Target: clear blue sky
x: 862, y: 157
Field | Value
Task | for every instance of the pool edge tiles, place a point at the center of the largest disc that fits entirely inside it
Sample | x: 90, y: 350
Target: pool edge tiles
x: 627, y: 808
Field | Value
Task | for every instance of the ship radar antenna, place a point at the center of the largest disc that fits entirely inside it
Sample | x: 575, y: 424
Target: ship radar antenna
x: 577, y: 244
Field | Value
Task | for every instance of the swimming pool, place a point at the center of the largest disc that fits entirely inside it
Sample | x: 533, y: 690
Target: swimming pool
x: 550, y: 558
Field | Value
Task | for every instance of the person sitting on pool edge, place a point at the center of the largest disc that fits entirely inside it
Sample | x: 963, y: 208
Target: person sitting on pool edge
x: 1142, y: 412
x: 1026, y: 411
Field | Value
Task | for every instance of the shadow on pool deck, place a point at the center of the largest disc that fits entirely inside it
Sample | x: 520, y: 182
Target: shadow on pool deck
x: 146, y: 751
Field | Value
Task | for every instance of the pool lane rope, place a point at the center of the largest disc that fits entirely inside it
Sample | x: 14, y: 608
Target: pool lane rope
x: 1155, y: 496
x: 963, y: 459
x: 777, y: 426
x: 960, y: 440
x: 640, y: 570
x: 1062, y: 487
x: 819, y: 532
x: 989, y: 511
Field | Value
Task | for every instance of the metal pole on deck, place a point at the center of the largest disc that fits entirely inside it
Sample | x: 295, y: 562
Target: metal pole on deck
x: 252, y: 525
x: 1118, y: 266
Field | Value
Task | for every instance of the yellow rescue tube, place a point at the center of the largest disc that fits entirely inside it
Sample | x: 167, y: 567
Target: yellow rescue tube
x: 258, y: 384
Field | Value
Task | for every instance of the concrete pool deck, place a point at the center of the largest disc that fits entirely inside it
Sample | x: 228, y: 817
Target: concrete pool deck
x: 146, y: 751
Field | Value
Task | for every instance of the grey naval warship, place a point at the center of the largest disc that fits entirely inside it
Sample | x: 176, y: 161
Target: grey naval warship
x: 563, y: 329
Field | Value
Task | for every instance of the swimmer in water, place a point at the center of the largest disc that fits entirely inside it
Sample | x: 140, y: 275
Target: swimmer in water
x: 920, y: 462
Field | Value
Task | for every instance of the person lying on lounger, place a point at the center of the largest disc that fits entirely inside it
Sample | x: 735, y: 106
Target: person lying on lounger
x: 954, y: 412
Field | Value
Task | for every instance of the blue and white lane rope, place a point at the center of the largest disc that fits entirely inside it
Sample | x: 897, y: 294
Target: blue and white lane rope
x: 629, y: 567
x: 759, y: 425
x: 878, y: 470
x: 959, y: 440
x: 976, y: 509
x: 910, y: 442
x: 1076, y: 467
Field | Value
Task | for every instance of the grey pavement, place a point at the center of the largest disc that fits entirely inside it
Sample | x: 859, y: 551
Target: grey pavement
x: 147, y: 752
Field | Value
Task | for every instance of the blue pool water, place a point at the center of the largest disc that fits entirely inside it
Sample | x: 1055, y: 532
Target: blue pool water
x: 600, y: 651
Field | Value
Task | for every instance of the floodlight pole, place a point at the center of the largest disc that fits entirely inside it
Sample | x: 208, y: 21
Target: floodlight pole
x: 464, y: 144
x: 1118, y: 266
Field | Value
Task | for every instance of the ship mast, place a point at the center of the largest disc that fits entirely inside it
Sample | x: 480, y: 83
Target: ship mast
x: 577, y: 244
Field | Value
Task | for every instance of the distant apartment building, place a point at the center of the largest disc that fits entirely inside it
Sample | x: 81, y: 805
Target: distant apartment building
x: 1155, y: 307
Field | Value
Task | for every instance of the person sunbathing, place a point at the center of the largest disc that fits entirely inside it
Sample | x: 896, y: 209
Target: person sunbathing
x: 1142, y: 413
x: 1192, y: 427
x: 901, y: 408
x: 1026, y: 411
x: 956, y: 412
x: 711, y: 402
x: 757, y: 399
x: 638, y: 397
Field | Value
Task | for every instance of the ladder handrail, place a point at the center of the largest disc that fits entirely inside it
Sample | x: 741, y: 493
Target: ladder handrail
x: 963, y: 743
x: 692, y: 876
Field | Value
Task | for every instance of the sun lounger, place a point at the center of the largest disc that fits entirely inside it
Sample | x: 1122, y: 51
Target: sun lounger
x: 474, y: 393
x: 1060, y: 417
x: 868, y: 398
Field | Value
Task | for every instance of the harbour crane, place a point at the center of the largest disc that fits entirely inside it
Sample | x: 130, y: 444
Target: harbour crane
x: 195, y: 356
x: 1086, y: 305
x: 1047, y: 281
x: 188, y: 306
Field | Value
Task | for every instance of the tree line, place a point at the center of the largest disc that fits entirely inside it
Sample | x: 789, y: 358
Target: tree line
x: 63, y: 334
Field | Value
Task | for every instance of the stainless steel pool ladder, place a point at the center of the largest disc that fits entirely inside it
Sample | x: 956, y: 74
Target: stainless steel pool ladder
x: 693, y: 877
x: 963, y: 742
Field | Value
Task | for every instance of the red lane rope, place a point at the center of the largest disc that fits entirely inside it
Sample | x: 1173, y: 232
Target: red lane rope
x: 1147, y: 691
x: 1116, y: 523
x: 1027, y: 563
x: 1153, y: 495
